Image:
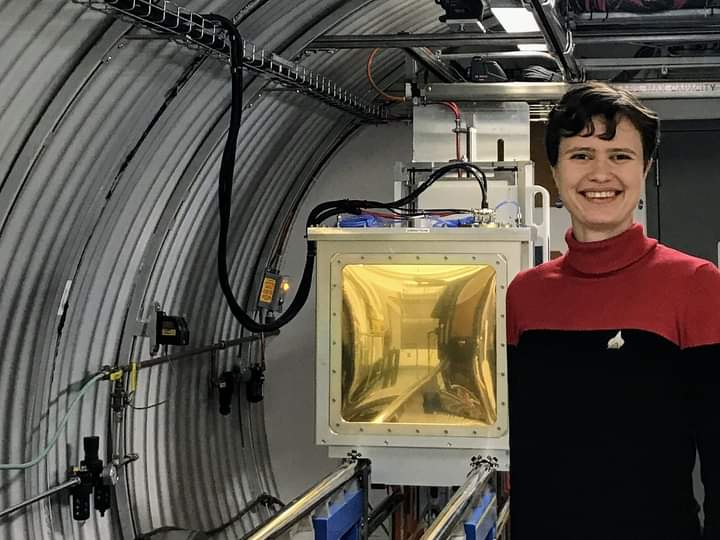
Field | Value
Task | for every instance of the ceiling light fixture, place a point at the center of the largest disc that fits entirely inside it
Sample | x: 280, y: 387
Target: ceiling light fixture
x: 516, y: 19
x: 532, y: 47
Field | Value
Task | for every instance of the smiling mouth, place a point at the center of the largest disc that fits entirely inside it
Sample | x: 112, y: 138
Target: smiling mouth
x: 601, y: 196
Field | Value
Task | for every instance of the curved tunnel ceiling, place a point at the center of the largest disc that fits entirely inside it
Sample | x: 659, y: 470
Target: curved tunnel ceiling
x: 109, y: 154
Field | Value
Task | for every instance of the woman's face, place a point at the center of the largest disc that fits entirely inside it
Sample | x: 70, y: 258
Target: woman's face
x: 600, y: 182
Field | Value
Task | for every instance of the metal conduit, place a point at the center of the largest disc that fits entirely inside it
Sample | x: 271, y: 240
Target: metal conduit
x: 194, y: 30
x: 502, y: 520
x: 40, y: 496
x: 306, y: 502
x: 455, y: 508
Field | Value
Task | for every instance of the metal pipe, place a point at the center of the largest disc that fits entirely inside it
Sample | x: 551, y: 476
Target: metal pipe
x: 559, y: 39
x: 552, y: 91
x: 674, y: 62
x: 434, y: 64
x: 198, y: 350
x: 646, y: 36
x: 307, y: 502
x: 503, y: 519
x: 383, y: 510
x: 403, y: 398
x: 455, y: 508
x: 57, y: 489
x: 502, y: 55
x: 510, y: 40
x: 693, y: 18
x: 402, y: 41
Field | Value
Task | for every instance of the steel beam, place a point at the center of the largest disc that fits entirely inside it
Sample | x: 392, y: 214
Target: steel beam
x: 197, y: 31
x: 691, y: 18
x: 455, y: 508
x: 647, y: 36
x: 558, y: 38
x: 307, y: 502
x: 543, y: 92
x: 674, y: 62
x: 429, y: 60
x: 402, y: 41
x: 479, y: 39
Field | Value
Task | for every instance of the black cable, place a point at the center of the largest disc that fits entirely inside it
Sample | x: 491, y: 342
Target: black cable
x: 227, y: 167
x: 264, y: 499
x: 317, y: 215
x: 438, y: 173
x: 355, y: 206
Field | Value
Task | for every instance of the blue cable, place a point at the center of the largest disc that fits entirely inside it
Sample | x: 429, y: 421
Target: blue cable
x: 84, y: 390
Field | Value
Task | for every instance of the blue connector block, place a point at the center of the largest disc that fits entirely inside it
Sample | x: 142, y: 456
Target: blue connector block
x: 363, y: 220
x: 482, y: 529
x: 458, y: 222
x: 343, y: 520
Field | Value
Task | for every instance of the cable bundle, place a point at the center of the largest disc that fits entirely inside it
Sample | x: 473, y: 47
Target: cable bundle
x: 319, y: 214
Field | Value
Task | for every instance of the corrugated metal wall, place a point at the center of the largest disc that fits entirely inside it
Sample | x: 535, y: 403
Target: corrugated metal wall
x: 109, y: 153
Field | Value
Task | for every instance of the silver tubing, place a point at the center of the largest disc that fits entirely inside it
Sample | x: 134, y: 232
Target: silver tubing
x: 503, y: 519
x: 305, y: 503
x: 40, y: 496
x: 455, y: 508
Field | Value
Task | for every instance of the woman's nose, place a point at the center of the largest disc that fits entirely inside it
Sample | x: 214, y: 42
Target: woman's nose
x: 602, y: 170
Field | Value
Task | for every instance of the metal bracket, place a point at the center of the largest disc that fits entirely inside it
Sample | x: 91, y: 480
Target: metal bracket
x: 489, y: 462
x: 353, y: 456
x: 197, y: 32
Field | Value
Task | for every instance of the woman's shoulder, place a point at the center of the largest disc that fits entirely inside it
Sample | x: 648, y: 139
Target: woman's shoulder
x: 542, y: 272
x: 682, y: 265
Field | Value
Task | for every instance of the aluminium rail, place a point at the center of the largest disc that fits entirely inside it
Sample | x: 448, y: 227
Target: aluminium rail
x: 196, y: 31
x: 458, y: 504
x: 40, y: 496
x: 502, y: 520
x: 301, y: 506
x: 70, y: 483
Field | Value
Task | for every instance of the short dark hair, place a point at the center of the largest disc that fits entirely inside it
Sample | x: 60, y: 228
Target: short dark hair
x: 574, y: 112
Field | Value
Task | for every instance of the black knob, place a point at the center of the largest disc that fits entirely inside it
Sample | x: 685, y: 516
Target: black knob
x: 226, y: 385
x: 254, y: 387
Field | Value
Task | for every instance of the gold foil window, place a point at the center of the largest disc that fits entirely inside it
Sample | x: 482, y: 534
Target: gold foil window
x: 418, y: 344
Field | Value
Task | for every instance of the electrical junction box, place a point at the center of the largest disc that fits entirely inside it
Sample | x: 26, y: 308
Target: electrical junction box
x: 411, y: 358
x: 272, y: 291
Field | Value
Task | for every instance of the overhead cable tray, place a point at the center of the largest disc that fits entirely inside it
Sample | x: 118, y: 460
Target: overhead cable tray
x: 195, y: 31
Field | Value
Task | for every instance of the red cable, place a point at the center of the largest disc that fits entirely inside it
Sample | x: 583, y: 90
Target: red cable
x: 389, y: 97
x: 456, y: 111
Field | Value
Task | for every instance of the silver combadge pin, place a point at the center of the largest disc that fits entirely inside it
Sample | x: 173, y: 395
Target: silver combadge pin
x: 617, y: 341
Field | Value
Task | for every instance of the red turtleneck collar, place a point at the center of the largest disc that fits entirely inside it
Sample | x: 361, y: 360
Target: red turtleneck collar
x: 610, y: 255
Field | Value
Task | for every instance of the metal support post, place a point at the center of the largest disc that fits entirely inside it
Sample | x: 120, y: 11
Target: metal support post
x: 481, y: 523
x: 503, y: 520
x: 559, y: 39
x: 458, y: 504
x: 308, y: 501
x: 344, y: 520
x: 383, y: 510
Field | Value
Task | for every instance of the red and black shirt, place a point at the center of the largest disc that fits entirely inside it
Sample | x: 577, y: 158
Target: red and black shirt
x: 614, y: 364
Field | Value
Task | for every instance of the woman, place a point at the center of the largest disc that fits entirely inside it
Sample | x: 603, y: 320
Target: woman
x: 614, y: 350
